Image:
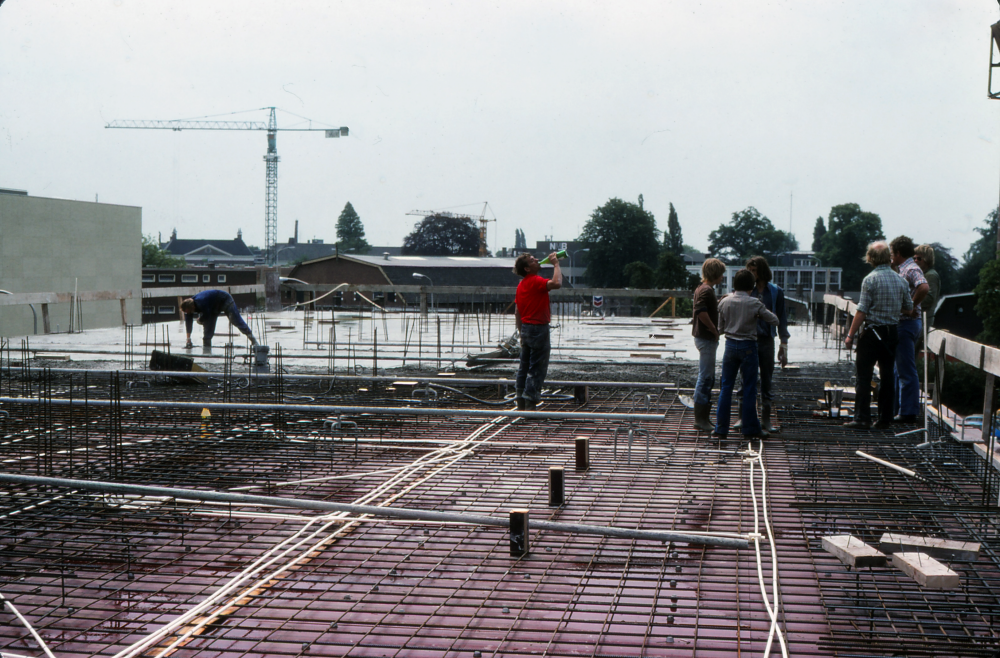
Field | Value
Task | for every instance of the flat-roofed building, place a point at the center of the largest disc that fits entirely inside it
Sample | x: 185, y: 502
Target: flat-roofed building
x: 58, y: 246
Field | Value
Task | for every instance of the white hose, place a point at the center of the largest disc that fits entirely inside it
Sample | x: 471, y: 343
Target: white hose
x: 772, y: 611
x: 34, y: 634
x: 448, y: 455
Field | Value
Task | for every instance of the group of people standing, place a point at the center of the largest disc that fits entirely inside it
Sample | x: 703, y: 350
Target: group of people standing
x: 897, y: 297
x: 752, y: 317
x: 887, y: 328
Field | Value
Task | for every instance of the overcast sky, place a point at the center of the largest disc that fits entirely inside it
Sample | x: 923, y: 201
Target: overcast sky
x: 544, y: 109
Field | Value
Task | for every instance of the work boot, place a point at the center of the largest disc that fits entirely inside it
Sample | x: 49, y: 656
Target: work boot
x: 702, y: 414
x: 765, y: 419
x: 739, y: 414
x: 529, y: 405
x: 520, y: 404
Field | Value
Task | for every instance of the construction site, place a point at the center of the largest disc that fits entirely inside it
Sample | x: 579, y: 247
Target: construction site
x: 369, y: 489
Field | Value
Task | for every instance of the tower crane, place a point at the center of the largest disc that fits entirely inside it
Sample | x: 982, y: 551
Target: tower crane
x: 270, y: 158
x: 481, y: 218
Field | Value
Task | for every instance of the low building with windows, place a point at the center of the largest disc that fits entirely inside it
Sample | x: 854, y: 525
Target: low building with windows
x: 798, y: 273
x: 167, y: 308
x: 389, y: 270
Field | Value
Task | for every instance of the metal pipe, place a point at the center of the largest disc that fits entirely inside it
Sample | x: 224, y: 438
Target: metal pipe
x: 904, y: 471
x: 731, y: 540
x: 331, y: 409
x: 382, y: 378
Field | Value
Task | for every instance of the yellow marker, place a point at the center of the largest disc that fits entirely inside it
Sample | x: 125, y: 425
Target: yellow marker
x: 205, y: 413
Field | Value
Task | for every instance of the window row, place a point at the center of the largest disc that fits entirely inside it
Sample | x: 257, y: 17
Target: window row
x: 185, y: 278
x: 162, y: 310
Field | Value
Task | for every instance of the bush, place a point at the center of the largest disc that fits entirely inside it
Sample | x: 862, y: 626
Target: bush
x: 964, y: 385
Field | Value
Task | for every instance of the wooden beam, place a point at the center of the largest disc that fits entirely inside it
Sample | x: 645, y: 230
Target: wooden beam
x: 853, y: 552
x: 927, y: 571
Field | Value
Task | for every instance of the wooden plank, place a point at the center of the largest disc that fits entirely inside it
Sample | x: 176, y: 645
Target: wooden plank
x: 934, y: 339
x: 933, y: 546
x: 190, y: 291
x: 124, y: 316
x: 991, y: 360
x: 853, y: 552
x: 964, y: 350
x: 46, y: 325
x: 927, y: 571
x: 667, y: 336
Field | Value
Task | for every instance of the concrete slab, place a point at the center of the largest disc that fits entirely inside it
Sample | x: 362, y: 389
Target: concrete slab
x: 853, y: 552
x: 933, y: 546
x: 927, y: 571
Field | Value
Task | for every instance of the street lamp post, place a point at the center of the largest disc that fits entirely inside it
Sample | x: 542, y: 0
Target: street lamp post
x: 571, y: 254
x: 418, y: 275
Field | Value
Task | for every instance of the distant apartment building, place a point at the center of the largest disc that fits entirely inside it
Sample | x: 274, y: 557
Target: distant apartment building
x: 799, y: 273
x: 199, y: 252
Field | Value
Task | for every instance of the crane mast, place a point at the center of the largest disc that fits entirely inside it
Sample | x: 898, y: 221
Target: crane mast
x: 270, y: 158
x: 271, y: 192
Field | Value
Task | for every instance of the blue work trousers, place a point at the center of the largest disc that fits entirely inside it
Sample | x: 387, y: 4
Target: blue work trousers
x: 706, y: 370
x: 907, y: 382
x: 739, y: 356
x: 534, y: 365
x: 230, y: 311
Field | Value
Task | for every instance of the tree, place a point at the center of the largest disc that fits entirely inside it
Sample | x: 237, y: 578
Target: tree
x: 818, y: 232
x: 946, y: 266
x: 154, y: 256
x: 520, y: 244
x: 672, y: 274
x: 988, y: 302
x: 673, y: 241
x: 980, y: 252
x: 443, y: 235
x: 639, y: 275
x: 618, y: 233
x: 351, y: 232
x: 749, y: 234
x: 849, y: 232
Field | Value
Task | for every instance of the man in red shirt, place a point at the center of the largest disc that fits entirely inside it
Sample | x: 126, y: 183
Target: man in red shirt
x: 531, y: 317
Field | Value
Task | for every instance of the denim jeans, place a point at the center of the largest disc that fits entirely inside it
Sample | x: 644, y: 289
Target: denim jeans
x: 765, y: 363
x: 907, y: 382
x: 534, y: 361
x: 706, y: 370
x: 739, y: 356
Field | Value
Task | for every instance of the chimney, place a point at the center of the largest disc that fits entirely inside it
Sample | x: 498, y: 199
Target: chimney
x: 385, y: 255
x: 296, y: 231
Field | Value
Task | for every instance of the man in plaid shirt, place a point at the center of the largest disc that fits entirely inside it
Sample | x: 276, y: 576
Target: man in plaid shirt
x: 907, y: 382
x: 884, y: 295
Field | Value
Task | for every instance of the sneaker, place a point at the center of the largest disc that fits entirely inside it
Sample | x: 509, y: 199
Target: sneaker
x: 857, y: 425
x: 882, y: 425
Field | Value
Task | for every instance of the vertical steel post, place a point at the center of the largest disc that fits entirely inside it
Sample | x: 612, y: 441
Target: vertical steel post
x: 582, y: 453
x: 519, y: 545
x: 557, y: 486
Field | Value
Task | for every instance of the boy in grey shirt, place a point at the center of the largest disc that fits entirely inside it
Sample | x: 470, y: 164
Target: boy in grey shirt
x: 738, y: 315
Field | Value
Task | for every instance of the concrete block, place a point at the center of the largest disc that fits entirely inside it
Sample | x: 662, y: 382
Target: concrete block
x: 853, y: 552
x: 945, y: 549
x: 927, y: 571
